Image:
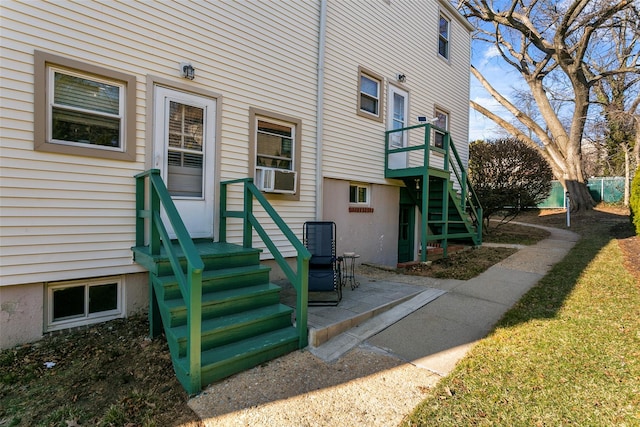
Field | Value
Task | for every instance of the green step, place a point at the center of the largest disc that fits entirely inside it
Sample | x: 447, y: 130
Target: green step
x: 215, y: 255
x: 215, y: 304
x: 234, y: 327
x: 227, y: 360
x: 215, y: 280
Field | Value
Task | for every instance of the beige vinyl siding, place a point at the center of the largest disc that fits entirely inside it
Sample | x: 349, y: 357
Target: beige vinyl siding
x: 395, y: 37
x: 65, y: 217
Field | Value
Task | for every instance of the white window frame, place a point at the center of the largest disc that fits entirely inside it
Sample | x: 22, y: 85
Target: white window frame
x: 359, y: 187
x: 120, y: 116
x: 378, y: 98
x: 446, y: 39
x: 45, y: 67
x: 86, y: 318
x: 257, y: 170
x: 440, y: 112
x: 282, y: 123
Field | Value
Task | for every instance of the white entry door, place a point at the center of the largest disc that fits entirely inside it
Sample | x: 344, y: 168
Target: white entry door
x: 184, y: 150
x: 398, y: 111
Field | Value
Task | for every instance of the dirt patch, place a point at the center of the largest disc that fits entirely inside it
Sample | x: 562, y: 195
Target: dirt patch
x: 461, y: 265
x: 110, y: 374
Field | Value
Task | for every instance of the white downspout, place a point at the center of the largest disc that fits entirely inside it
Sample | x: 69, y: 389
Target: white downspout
x: 320, y: 110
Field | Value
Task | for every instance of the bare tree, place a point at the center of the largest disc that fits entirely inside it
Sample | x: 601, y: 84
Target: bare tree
x: 619, y: 97
x: 545, y: 40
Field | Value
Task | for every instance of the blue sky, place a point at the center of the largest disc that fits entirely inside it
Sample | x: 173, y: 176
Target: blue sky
x: 502, y: 77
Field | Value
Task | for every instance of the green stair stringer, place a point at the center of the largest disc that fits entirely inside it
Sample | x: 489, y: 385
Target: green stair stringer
x: 460, y: 225
x: 456, y: 225
x: 243, y: 322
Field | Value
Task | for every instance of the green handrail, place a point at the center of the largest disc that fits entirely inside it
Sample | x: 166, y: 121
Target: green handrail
x: 148, y: 222
x: 299, y: 278
x: 469, y: 201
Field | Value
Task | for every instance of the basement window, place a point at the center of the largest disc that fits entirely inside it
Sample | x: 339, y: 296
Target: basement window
x: 359, y: 194
x: 78, y: 303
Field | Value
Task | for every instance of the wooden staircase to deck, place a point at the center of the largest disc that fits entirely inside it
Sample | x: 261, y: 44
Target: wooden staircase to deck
x: 446, y: 218
x: 460, y: 227
x: 243, y: 322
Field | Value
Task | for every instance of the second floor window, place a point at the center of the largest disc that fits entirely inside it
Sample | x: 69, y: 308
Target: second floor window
x: 442, y: 122
x: 370, y: 95
x: 443, y: 37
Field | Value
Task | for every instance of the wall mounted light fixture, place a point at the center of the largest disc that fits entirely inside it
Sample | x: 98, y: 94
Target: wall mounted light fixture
x: 401, y: 78
x: 187, y: 71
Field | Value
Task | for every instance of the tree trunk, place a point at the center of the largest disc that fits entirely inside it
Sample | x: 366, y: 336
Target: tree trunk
x: 578, y: 194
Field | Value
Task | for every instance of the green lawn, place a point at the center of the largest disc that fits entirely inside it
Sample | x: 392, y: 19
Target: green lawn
x: 567, y: 354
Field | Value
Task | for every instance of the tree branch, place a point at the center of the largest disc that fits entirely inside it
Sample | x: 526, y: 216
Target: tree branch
x: 548, y: 153
x: 523, y: 118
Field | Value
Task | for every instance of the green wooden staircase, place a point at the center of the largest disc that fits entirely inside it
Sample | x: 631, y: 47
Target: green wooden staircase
x: 445, y: 217
x: 219, y: 312
x: 243, y: 322
x: 438, y: 185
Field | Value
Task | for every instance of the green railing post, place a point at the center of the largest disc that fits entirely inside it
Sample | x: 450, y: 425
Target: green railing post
x: 190, y: 284
x: 447, y: 143
x: 247, y: 232
x: 222, y: 229
x: 302, y: 302
x: 299, y: 278
x: 194, y: 326
x: 154, y: 206
x: 140, y: 217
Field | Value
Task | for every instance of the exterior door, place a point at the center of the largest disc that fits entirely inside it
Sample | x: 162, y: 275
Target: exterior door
x: 398, y: 111
x: 406, y: 227
x: 184, y: 149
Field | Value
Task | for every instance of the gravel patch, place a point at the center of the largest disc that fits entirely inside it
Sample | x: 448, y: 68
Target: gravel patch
x: 364, y: 387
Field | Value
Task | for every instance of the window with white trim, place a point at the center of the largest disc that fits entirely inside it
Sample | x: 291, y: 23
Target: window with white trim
x: 358, y: 194
x: 274, y: 144
x: 370, y: 99
x: 79, y: 303
x: 441, y: 121
x: 83, y: 109
x: 276, y: 149
x: 443, y: 37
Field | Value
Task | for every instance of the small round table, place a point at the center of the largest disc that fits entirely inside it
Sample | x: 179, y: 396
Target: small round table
x: 349, y: 273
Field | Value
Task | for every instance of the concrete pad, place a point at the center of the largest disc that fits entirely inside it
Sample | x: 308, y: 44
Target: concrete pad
x: 420, y: 339
x: 345, y: 341
x: 451, y: 321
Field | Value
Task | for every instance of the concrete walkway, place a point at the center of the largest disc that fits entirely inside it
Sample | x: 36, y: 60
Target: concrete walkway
x: 426, y: 325
x: 435, y: 328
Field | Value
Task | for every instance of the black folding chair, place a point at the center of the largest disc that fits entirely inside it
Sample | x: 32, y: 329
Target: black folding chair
x: 325, y: 287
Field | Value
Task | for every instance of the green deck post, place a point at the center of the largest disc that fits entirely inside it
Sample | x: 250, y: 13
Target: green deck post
x: 194, y: 326
x: 222, y: 229
x: 247, y: 237
x: 140, y: 183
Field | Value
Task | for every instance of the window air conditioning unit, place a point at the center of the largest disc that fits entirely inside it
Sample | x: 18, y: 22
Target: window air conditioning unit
x: 273, y: 180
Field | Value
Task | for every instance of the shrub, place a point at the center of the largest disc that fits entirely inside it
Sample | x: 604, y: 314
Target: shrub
x: 508, y: 176
x: 634, y: 201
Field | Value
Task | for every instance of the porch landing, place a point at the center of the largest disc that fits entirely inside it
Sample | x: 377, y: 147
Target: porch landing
x: 370, y: 299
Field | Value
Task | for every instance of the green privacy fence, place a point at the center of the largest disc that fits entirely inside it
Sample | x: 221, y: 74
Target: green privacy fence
x: 602, y: 189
